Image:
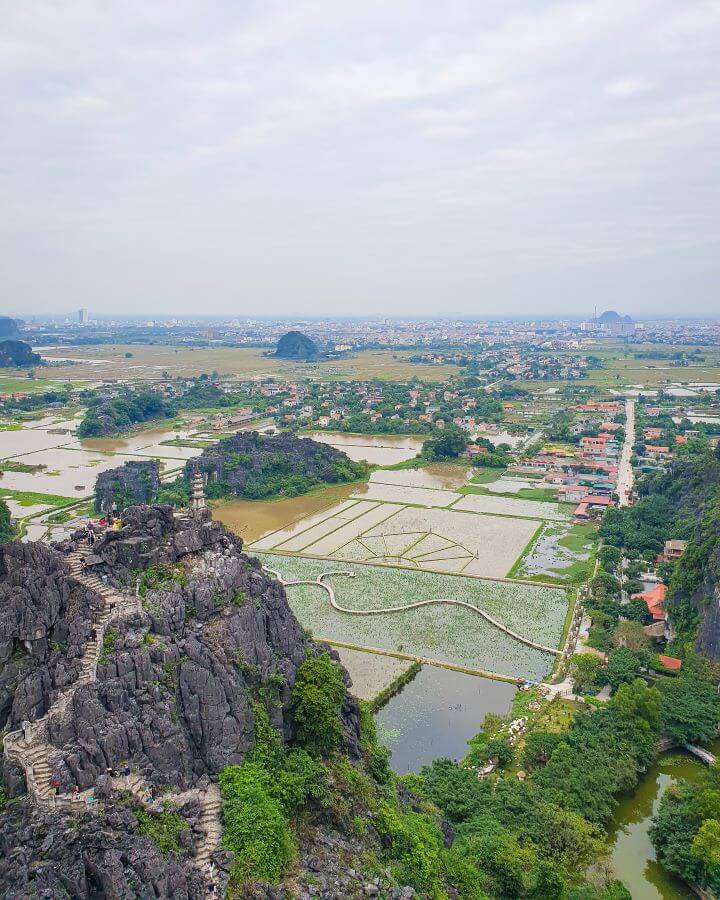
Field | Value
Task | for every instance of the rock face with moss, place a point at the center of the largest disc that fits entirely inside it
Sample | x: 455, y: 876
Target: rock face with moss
x: 249, y: 464
x: 135, y: 482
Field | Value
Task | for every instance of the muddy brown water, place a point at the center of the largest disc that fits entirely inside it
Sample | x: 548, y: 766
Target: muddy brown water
x: 251, y: 519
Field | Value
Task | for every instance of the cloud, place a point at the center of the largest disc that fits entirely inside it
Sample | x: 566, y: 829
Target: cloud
x: 627, y: 87
x: 318, y: 156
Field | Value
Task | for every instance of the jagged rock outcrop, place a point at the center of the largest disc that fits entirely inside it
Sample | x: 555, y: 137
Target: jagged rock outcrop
x: 137, y: 481
x: 255, y: 465
x: 172, y: 698
x: 45, y: 623
x: 48, y: 854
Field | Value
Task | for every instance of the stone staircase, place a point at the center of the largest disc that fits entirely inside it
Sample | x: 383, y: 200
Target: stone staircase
x: 211, y: 824
x: 30, y: 748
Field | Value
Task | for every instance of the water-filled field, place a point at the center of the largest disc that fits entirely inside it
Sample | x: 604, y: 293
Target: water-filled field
x: 392, y: 534
x: 449, y: 633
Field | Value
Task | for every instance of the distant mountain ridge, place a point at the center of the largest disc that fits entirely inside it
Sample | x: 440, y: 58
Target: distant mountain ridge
x: 610, y: 317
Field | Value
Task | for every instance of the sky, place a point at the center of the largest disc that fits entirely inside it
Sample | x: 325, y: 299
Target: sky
x: 489, y: 158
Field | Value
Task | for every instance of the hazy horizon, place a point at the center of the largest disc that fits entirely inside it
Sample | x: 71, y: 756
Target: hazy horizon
x: 519, y: 160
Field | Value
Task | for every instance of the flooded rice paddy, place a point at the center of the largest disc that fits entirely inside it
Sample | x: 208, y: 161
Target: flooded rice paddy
x: 370, y: 672
x: 252, y: 519
x: 383, y: 450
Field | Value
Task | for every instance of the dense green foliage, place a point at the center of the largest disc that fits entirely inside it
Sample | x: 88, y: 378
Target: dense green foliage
x: 296, y: 345
x: 691, y: 705
x: 686, y: 831
x: 682, y: 503
x: 114, y: 415
x: 446, y: 443
x: 536, y: 838
x: 248, y: 464
x: 163, y: 828
x: 6, y: 529
x: 317, y: 698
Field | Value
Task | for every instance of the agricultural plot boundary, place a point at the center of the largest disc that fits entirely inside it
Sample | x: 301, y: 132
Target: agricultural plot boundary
x: 525, y: 582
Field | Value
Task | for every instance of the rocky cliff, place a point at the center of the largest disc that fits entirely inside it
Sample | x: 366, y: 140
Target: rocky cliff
x: 172, y: 697
x: 18, y: 353
x: 135, y: 482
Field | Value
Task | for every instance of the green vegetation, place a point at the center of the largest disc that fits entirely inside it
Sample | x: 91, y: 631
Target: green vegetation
x: 6, y: 529
x: 163, y: 828
x: 686, y: 831
x: 394, y: 687
x: 161, y: 577
x: 682, y: 503
x: 446, y: 443
x: 34, y: 498
x: 251, y: 465
x: 317, y: 698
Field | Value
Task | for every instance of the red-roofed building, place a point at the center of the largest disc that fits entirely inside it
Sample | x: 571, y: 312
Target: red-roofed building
x: 654, y: 598
x: 670, y: 662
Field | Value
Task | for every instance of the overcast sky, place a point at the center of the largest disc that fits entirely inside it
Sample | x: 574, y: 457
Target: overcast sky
x: 360, y: 156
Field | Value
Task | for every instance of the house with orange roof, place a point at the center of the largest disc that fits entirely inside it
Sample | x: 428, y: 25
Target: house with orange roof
x: 654, y: 598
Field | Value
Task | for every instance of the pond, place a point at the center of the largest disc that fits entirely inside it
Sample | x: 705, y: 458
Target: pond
x: 437, y: 714
x: 632, y: 856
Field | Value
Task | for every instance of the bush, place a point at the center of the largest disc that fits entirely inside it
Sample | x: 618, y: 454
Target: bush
x: 256, y: 829
x: 162, y: 828
x: 317, y: 698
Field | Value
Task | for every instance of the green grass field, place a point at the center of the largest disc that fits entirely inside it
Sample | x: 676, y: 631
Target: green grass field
x: 148, y: 362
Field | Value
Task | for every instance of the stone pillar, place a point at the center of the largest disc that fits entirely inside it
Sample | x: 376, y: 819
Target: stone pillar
x: 197, y: 498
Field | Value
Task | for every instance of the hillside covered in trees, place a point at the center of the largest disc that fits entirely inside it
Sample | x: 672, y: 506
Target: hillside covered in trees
x: 682, y: 503
x: 296, y: 345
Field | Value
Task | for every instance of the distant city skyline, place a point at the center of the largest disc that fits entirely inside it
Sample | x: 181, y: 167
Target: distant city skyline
x: 524, y: 160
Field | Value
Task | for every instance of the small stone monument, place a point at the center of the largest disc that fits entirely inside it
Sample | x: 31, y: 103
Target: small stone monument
x: 197, y: 499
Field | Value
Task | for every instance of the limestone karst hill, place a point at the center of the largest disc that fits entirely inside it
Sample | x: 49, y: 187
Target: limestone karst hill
x: 145, y: 653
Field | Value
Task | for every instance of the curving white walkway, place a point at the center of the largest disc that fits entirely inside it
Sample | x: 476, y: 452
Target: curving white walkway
x: 388, y: 610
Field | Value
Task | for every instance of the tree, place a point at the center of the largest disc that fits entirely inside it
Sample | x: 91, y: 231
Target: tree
x: 605, y: 585
x: 445, y: 443
x: 706, y: 845
x: 6, y: 530
x: 539, y: 745
x: 631, y: 635
x: 610, y: 557
x: 317, y: 698
x: 622, y: 667
x: 691, y: 708
x: 584, y: 668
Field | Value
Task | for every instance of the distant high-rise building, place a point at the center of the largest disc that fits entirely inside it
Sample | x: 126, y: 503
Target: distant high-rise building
x: 83, y: 317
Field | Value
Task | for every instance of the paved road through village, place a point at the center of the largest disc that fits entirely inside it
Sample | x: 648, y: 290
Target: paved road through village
x: 625, y: 472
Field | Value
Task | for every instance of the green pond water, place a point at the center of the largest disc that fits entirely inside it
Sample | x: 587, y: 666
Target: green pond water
x: 633, y: 856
